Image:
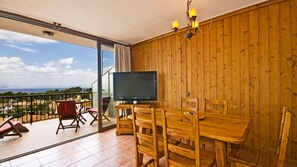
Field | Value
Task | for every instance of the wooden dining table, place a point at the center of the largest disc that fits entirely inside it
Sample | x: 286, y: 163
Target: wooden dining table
x: 221, y: 128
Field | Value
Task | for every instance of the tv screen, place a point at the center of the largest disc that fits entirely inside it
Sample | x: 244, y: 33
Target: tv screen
x: 128, y: 86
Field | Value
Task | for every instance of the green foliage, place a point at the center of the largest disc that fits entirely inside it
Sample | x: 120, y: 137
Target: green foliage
x: 16, y: 112
x: 88, y: 90
x: 73, y: 89
x: 7, y: 94
x: 52, y: 91
x: 21, y: 94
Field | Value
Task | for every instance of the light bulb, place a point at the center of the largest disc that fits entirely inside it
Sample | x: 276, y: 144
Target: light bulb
x: 193, y: 13
x: 195, y: 24
x: 175, y: 24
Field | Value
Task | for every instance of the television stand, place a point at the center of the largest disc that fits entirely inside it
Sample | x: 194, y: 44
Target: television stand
x: 124, y: 122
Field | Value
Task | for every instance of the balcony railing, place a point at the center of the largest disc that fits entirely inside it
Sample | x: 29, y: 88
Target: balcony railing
x: 32, y: 108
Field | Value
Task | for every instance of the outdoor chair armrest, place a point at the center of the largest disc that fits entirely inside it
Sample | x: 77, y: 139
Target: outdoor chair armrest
x: 6, y: 121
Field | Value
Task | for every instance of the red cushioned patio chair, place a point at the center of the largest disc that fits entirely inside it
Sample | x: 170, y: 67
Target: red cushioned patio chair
x: 94, y: 111
x: 9, y: 128
x: 67, y: 111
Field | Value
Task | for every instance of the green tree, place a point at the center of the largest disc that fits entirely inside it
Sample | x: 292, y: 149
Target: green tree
x: 52, y: 91
x: 88, y: 90
x: 8, y: 94
x: 73, y: 89
x: 21, y: 94
x: 16, y: 111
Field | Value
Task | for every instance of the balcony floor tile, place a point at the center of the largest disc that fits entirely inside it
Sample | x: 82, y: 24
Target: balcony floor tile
x: 43, y: 134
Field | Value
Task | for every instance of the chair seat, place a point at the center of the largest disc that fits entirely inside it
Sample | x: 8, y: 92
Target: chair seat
x: 252, y: 157
x: 7, y: 126
x: 93, y: 110
x: 148, y: 149
x: 170, y: 140
x: 207, y: 159
x: 94, y: 114
x: 206, y: 140
x: 69, y: 116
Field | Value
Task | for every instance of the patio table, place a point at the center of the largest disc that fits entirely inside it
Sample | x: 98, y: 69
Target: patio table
x: 81, y: 104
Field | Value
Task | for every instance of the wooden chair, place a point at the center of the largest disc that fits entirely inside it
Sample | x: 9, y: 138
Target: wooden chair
x: 94, y: 111
x: 247, y: 156
x: 185, y: 128
x: 145, y: 133
x: 189, y: 105
x: 9, y: 128
x: 216, y: 106
x: 67, y: 111
x: 105, y: 107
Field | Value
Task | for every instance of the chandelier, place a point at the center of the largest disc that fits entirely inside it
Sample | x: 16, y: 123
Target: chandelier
x: 193, y: 24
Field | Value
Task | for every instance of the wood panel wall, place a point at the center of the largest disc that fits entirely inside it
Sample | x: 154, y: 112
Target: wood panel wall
x: 248, y: 57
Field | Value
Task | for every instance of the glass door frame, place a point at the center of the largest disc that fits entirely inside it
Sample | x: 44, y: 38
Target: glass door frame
x: 101, y: 128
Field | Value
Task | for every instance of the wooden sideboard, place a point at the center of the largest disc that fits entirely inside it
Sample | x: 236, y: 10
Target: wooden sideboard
x: 124, y: 123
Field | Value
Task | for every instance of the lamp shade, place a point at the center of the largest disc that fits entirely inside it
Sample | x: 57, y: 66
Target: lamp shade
x: 175, y: 24
x: 193, y: 13
x: 195, y: 24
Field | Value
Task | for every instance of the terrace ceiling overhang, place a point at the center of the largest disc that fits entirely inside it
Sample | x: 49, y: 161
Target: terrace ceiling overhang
x: 128, y: 21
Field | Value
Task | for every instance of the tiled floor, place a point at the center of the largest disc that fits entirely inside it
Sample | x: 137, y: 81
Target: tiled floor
x: 42, y: 134
x: 101, y: 150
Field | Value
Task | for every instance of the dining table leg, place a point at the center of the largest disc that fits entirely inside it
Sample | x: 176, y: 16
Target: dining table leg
x: 221, y: 153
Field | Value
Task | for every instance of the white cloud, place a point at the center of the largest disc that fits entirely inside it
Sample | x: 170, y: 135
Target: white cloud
x: 67, y: 61
x: 68, y: 67
x: 10, y: 64
x: 17, y: 40
x: 21, y: 48
x: 8, y: 60
x: 16, y: 74
x: 14, y: 37
x: 49, y: 64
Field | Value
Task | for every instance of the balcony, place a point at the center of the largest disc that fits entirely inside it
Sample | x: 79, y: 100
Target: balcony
x: 33, y: 108
x: 39, y: 114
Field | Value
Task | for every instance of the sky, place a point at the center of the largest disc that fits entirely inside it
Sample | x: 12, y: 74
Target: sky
x: 33, y: 62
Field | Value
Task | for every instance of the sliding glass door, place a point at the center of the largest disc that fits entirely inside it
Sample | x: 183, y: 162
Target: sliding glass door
x: 106, y: 63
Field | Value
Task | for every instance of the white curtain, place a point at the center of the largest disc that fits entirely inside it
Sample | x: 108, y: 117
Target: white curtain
x: 122, y: 58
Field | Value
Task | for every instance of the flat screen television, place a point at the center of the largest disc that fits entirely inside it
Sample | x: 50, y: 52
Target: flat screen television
x: 135, y: 86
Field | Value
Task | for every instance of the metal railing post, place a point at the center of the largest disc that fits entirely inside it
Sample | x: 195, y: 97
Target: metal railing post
x: 31, y: 110
x: 108, y: 83
x: 92, y: 105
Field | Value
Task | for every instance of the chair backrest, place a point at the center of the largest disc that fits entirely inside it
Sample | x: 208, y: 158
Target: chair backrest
x: 284, y: 136
x: 105, y: 103
x: 216, y: 106
x: 281, y: 128
x: 5, y: 121
x: 145, y: 130
x: 189, y: 104
x: 185, y: 128
x: 66, y: 108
